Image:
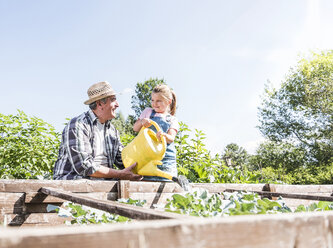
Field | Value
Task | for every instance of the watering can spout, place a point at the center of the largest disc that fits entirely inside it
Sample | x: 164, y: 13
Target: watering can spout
x: 150, y: 169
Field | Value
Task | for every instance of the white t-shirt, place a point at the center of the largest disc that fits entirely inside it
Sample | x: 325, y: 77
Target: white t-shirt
x: 100, y: 148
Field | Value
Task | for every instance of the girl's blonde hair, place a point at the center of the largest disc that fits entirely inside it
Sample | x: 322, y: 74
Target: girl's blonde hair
x: 167, y: 94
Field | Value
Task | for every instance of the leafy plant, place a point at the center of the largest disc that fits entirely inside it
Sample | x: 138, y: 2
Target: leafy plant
x: 198, y: 165
x: 203, y: 204
x: 28, y: 147
x: 83, y: 215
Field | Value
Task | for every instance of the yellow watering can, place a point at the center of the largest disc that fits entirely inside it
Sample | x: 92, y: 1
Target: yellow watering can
x: 147, y: 151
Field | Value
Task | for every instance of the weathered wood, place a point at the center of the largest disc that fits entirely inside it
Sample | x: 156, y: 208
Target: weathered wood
x: 153, y: 187
x: 130, y: 211
x: 328, y: 189
x: 33, y: 219
x: 11, y: 202
x: 307, y: 230
x: 38, y: 207
x: 38, y: 197
x: 290, y: 195
x: 294, y: 203
x: 270, y: 188
x: 217, y: 188
x: 123, y: 189
x: 81, y: 185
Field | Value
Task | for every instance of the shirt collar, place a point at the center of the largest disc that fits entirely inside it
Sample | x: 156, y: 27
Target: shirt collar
x: 94, y: 118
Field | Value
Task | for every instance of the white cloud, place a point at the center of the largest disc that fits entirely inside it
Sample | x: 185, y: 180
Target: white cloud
x: 127, y: 91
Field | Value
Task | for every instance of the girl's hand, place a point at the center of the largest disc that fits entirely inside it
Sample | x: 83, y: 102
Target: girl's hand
x: 145, y: 122
x: 159, y: 135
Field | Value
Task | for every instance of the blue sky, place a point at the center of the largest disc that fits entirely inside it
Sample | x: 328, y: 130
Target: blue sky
x: 217, y: 55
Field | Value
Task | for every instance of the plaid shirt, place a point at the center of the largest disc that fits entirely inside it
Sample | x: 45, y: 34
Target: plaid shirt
x: 77, y: 149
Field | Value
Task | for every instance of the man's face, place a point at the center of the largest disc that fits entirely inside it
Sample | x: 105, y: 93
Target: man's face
x: 109, y: 108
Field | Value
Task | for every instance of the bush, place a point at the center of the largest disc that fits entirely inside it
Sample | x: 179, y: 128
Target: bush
x: 28, y: 147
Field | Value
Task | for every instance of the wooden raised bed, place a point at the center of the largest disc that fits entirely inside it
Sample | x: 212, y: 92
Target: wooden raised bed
x: 307, y: 230
x: 23, y: 203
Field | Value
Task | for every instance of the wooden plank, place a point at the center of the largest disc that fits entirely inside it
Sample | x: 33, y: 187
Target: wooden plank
x: 39, y: 207
x: 308, y: 230
x: 126, y: 210
x: 153, y: 187
x: 82, y: 185
x: 170, y: 187
x: 123, y: 189
x: 11, y: 202
x: 304, y: 188
x: 290, y: 195
x: 38, y: 197
x: 217, y: 187
x: 33, y: 219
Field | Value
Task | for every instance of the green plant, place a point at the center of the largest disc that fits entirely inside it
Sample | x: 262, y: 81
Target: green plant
x: 83, y: 215
x: 203, y: 204
x: 198, y: 165
x: 28, y: 147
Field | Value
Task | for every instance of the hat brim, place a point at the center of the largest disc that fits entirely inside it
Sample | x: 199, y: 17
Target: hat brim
x: 94, y: 99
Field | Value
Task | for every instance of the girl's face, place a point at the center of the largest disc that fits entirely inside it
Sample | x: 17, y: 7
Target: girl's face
x: 159, y: 104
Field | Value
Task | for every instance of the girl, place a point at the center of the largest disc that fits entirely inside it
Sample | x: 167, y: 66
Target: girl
x: 163, y: 102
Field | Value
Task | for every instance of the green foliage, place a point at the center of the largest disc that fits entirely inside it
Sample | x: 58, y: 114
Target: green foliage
x: 279, y: 155
x: 315, y: 207
x: 301, y: 111
x: 199, y: 203
x: 28, y: 147
x: 193, y: 159
x: 129, y: 201
x: 313, y: 175
x: 82, y: 215
x: 142, y: 97
x: 233, y: 155
x: 197, y: 164
x: 203, y: 204
x: 125, y: 128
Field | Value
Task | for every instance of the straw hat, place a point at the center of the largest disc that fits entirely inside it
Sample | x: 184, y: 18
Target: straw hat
x: 98, y: 91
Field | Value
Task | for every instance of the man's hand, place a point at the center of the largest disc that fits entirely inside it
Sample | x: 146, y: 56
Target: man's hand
x: 124, y: 174
x: 127, y: 174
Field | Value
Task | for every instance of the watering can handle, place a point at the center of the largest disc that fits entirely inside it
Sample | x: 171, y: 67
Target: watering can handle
x: 158, y: 129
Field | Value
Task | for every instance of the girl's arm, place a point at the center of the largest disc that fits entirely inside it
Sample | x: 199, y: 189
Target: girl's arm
x: 140, y: 123
x: 169, y: 137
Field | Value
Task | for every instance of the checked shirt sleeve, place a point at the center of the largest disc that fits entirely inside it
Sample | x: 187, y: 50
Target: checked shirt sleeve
x: 79, y: 149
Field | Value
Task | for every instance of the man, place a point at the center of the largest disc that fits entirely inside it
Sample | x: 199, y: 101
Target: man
x: 90, y: 144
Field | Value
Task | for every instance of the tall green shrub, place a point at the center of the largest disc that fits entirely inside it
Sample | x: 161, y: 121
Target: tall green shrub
x: 28, y: 147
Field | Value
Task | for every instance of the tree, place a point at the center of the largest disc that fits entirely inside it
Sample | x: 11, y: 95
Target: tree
x: 233, y: 155
x: 125, y: 128
x: 28, y: 147
x: 279, y: 155
x: 301, y: 111
x: 142, y: 97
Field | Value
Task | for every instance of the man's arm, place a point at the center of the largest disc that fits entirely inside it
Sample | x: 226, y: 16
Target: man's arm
x: 124, y: 174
